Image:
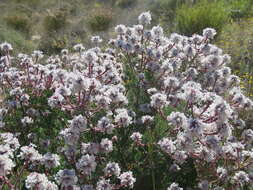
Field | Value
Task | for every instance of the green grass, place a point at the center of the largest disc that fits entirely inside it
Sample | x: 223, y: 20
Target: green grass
x: 191, y: 16
x: 240, y: 8
x: 195, y: 18
x: 236, y: 40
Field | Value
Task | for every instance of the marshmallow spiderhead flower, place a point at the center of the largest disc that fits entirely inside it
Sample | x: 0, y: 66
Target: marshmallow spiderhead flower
x: 174, y: 186
x: 6, y: 47
x: 209, y: 33
x: 241, y: 177
x: 104, y: 184
x: 10, y: 140
x: 105, y: 126
x: 50, y: 160
x: 120, y: 29
x: 29, y: 153
x: 147, y: 119
x: 145, y: 18
x: 51, y: 186
x: 127, y: 179
x: 6, y: 164
x: 136, y: 137
x: 90, y: 56
x: 78, y: 123
x: 79, y: 47
x: 90, y: 148
x: 112, y: 168
x: 194, y: 127
x: 167, y: 145
x: 65, y: 51
x: 37, y: 54
x: 39, y: 181
x: 106, y: 145
x: 158, y: 100
x: 157, y: 31
x: 177, y: 119
x: 96, y: 39
x: 86, y: 164
x: 122, y: 118
x: 26, y: 121
x: 221, y: 172
x: 66, y: 178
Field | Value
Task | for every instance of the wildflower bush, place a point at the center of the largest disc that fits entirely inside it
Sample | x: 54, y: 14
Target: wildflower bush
x: 146, y: 112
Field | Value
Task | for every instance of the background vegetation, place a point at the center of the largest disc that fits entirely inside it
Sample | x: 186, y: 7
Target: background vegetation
x: 51, y: 25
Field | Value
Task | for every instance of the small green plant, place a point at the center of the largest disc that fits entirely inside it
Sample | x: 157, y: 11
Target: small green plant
x: 193, y: 19
x: 100, y: 19
x: 19, y: 22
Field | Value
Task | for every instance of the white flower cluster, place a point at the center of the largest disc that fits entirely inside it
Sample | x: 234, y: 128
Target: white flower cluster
x: 8, y: 145
x: 39, y: 181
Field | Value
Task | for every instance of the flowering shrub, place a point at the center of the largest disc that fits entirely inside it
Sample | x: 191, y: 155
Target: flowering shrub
x: 148, y: 112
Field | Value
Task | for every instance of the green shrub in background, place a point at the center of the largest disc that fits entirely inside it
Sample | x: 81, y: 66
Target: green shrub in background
x: 164, y: 10
x: 55, y: 21
x: 53, y: 42
x: 240, y: 8
x: 193, y: 19
x: 125, y: 3
x: 19, y: 22
x: 187, y: 15
x: 100, y: 19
